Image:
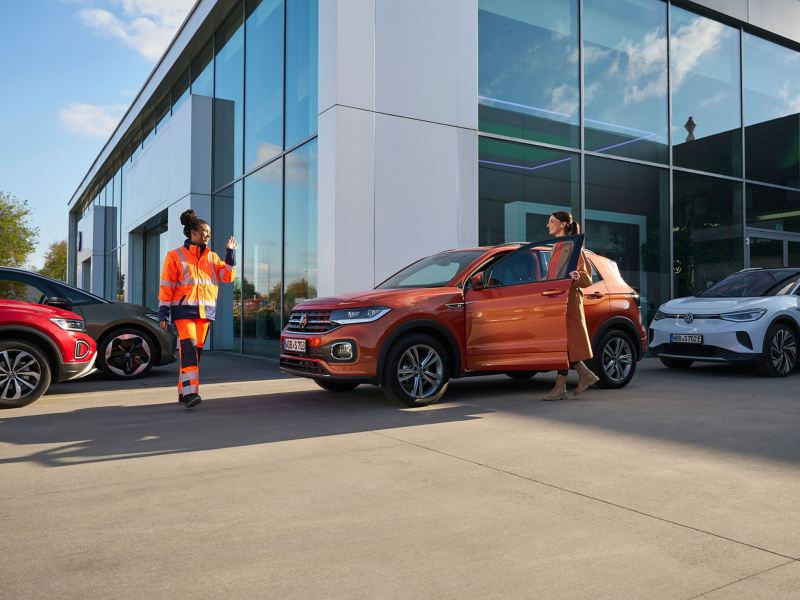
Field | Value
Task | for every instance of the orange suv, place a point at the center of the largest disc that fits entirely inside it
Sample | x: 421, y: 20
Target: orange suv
x: 460, y: 313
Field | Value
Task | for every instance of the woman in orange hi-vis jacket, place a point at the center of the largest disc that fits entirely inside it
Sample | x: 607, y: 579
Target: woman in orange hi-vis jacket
x: 188, y: 294
x: 579, y: 348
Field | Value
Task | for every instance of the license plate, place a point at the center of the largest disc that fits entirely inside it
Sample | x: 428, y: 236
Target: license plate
x: 294, y: 345
x: 683, y: 338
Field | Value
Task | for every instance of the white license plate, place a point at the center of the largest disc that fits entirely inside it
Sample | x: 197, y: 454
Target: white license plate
x: 683, y: 338
x: 294, y: 345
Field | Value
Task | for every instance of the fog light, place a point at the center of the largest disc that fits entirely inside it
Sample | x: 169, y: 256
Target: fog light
x: 342, y: 350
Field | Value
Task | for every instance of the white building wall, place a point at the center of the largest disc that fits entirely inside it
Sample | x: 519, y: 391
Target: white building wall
x: 398, y: 146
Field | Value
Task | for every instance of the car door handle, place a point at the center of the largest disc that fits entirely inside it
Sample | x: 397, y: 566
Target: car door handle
x: 553, y: 292
x: 595, y: 295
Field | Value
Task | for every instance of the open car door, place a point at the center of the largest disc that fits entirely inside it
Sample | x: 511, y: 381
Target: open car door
x: 516, y: 317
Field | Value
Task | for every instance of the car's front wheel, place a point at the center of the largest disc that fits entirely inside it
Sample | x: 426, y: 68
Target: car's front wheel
x: 336, y: 386
x: 677, y: 363
x: 24, y: 373
x: 126, y: 354
x: 615, y: 359
x: 780, y: 351
x: 416, y: 371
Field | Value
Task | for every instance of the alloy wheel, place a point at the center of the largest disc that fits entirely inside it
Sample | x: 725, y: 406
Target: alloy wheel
x: 783, y: 351
x: 128, y: 354
x: 20, y: 373
x: 617, y: 359
x: 420, y: 372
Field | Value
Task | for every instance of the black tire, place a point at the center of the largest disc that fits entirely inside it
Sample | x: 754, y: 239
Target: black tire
x: 30, y: 384
x: 780, y: 351
x: 336, y: 386
x: 126, y: 353
x: 614, y: 359
x: 521, y: 375
x: 420, y: 386
x: 677, y: 363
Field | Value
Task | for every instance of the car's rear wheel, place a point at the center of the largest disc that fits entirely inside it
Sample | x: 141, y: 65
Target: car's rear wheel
x: 780, y: 351
x: 416, y: 371
x: 521, y: 375
x: 126, y: 354
x: 677, y: 363
x: 24, y: 373
x: 336, y: 386
x: 615, y: 359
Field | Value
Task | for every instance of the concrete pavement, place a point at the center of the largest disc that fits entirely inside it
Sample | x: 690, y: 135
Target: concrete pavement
x: 683, y: 485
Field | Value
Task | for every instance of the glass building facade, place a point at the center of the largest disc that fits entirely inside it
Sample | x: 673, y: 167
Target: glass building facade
x: 671, y: 136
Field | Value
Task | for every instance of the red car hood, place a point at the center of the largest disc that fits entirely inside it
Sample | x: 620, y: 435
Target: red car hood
x: 39, y: 309
x: 390, y: 298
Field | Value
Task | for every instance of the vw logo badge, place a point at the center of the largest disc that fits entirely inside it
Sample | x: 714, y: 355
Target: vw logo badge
x: 303, y: 320
x: 689, y: 318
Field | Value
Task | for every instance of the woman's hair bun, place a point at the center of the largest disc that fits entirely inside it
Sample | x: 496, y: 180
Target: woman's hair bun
x: 187, y: 217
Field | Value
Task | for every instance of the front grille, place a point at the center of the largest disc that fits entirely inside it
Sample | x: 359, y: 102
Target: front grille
x: 318, y: 321
x: 302, y: 365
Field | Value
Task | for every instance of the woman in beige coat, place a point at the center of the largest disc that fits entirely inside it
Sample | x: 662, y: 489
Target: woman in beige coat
x: 579, y: 348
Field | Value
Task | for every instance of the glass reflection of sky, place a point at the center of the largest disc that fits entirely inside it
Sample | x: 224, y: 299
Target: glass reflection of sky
x: 301, y: 215
x: 771, y: 80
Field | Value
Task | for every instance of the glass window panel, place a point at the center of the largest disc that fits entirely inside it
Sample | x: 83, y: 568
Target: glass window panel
x: 228, y: 99
x: 227, y: 219
x: 771, y: 106
x: 772, y: 208
x: 180, y: 91
x: 625, y: 78
x: 264, y: 91
x: 155, y: 250
x: 765, y: 253
x: 706, y: 115
x: 794, y: 254
x: 203, y: 72
x: 707, y: 231
x: 136, y: 143
x: 627, y: 220
x: 148, y: 129
x: 301, y: 70
x: 111, y: 272
x: 261, y: 260
x: 520, y: 186
x: 162, y: 112
x: 300, y: 241
x: 528, y: 72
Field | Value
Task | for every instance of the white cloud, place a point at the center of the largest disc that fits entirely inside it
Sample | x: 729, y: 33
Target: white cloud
x: 691, y: 43
x: 147, y: 26
x: 91, y: 119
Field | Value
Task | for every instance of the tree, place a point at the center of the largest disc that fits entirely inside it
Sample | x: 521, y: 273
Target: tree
x: 17, y: 236
x: 55, y: 261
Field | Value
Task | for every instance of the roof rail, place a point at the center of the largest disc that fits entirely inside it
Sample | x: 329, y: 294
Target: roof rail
x: 752, y: 269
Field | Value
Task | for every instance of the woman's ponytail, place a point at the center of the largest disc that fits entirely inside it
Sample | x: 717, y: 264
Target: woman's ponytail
x: 573, y: 228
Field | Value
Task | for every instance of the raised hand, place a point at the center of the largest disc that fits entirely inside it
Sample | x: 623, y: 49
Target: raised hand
x: 231, y: 245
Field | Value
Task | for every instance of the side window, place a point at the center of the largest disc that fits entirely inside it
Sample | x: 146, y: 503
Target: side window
x: 20, y: 290
x: 534, y: 263
x: 596, y: 278
x: 75, y: 296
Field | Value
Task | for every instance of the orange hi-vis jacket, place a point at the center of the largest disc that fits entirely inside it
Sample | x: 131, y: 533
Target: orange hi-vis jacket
x: 189, y: 282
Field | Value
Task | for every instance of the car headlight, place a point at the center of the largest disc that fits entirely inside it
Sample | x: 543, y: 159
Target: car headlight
x: 743, y: 316
x: 69, y: 324
x: 153, y: 316
x: 659, y: 315
x: 358, y: 315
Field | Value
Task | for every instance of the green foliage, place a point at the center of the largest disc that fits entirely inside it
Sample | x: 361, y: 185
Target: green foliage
x: 55, y: 261
x: 18, y: 236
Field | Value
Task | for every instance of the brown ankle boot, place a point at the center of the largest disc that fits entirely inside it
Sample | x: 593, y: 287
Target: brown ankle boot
x: 586, y: 378
x: 559, y: 391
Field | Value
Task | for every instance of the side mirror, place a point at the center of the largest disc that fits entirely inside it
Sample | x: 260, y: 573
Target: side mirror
x: 476, y: 282
x: 59, y: 302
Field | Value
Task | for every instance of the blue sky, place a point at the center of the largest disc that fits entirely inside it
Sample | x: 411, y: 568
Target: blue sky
x: 69, y: 69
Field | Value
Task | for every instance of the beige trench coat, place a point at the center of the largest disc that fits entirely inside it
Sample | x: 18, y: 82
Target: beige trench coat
x: 578, y: 345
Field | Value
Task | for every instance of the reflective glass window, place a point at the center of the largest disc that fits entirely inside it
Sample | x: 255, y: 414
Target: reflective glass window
x: 625, y: 78
x: 771, y: 107
x: 528, y: 71
x: 226, y: 221
x: 148, y: 129
x: 705, y: 78
x: 264, y: 90
x: 707, y: 231
x: 772, y: 208
x: 627, y: 220
x: 136, y: 142
x: 261, y: 260
x: 301, y: 70
x: 162, y: 112
x: 520, y: 186
x: 203, y: 72
x: 180, y: 91
x: 228, y: 99
x: 300, y: 238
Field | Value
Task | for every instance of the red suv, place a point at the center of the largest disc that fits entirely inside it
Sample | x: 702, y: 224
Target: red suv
x: 465, y: 312
x: 40, y: 344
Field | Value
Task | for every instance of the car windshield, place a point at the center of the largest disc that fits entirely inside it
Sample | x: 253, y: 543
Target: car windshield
x: 748, y: 284
x: 435, y: 271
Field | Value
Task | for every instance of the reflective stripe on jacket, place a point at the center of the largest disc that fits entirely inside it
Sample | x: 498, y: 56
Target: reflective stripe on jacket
x: 189, y: 282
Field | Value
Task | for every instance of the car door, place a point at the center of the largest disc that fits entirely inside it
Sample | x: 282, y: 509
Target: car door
x: 595, y: 301
x: 518, y: 320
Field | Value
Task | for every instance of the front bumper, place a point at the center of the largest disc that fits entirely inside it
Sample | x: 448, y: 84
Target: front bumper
x: 317, y: 362
x: 723, y: 341
x: 75, y: 370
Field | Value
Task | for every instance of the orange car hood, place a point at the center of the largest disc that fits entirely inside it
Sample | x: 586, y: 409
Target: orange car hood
x: 390, y: 298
